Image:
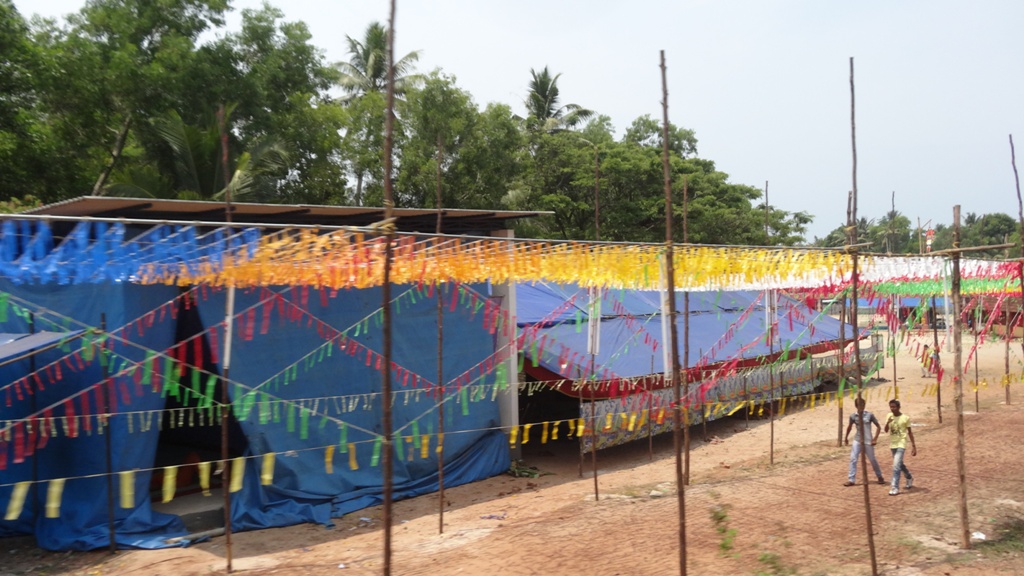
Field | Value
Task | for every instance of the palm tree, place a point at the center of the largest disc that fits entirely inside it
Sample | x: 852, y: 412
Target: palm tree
x: 189, y: 167
x: 367, y: 69
x: 543, y: 111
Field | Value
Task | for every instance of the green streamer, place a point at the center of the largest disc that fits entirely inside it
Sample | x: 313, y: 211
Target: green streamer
x: 375, y: 458
x: 291, y: 418
x: 464, y: 400
x: 416, y: 434
x: 304, y: 424
x: 147, y: 368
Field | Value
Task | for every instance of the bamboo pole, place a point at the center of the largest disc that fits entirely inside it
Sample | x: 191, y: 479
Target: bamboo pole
x: 33, y: 407
x: 842, y: 369
x: 770, y: 329
x: 974, y: 325
x: 958, y: 388
x: 1020, y: 264
x: 686, y: 356
x: 852, y: 226
x: 938, y: 359
x: 229, y: 322
x: 673, y: 335
x: 593, y: 430
x: 440, y: 354
x: 104, y: 409
x: 389, y: 205
x: 893, y: 338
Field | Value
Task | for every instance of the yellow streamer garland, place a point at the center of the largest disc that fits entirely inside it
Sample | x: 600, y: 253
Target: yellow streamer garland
x: 54, y: 493
x: 17, y: 501
x: 204, y: 477
x: 237, y: 474
x: 127, y: 486
x: 346, y: 259
x: 267, y: 470
x: 170, y: 483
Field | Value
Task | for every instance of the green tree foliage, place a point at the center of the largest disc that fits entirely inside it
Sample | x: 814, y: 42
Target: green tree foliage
x: 120, y: 97
x: 366, y: 70
x: 542, y: 105
x: 25, y: 138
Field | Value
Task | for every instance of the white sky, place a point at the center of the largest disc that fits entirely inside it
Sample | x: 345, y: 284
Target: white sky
x: 765, y: 84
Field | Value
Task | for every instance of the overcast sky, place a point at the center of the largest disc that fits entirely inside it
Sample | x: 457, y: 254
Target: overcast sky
x: 765, y: 84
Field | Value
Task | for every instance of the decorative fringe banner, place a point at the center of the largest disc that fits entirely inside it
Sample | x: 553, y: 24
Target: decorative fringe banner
x: 172, y: 254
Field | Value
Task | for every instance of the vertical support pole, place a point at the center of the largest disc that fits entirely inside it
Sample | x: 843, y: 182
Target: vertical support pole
x: 440, y: 352
x: 958, y: 386
x: 105, y: 394
x: 842, y: 368
x: 686, y: 356
x: 937, y: 362
x: 977, y: 318
x: 673, y: 334
x: 229, y: 314
x: 389, y: 205
x: 32, y: 407
x: 852, y: 227
x: 894, y: 341
x: 770, y: 321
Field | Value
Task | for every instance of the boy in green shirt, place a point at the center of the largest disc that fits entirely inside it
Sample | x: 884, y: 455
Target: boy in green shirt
x: 898, y: 427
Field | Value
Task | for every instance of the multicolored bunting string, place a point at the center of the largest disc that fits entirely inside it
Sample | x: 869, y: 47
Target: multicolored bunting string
x: 249, y: 257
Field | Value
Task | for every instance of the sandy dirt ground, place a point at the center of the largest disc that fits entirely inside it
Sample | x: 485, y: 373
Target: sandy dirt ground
x: 791, y: 517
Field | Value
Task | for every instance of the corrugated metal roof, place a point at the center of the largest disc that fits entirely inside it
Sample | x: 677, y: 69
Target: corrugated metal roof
x: 408, y: 219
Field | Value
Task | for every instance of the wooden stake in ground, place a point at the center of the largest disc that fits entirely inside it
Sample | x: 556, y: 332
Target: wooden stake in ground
x: 673, y: 333
x: 852, y: 242
x: 958, y: 386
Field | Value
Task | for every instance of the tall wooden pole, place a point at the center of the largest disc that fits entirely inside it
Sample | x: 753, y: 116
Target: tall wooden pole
x: 974, y: 324
x: 856, y: 330
x: 770, y: 322
x: 229, y: 323
x: 686, y: 355
x: 593, y: 331
x: 1020, y: 264
x: 440, y: 354
x: 389, y: 206
x: 893, y: 341
x: 958, y: 386
x: 673, y: 334
x: 106, y: 394
x: 842, y: 367
x: 938, y: 359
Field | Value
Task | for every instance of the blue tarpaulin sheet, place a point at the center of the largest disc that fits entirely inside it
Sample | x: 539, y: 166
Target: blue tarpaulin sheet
x: 723, y: 326
x: 327, y: 400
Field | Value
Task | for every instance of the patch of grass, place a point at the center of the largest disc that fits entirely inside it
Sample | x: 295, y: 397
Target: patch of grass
x: 912, y: 545
x: 720, y: 516
x: 1009, y: 539
x: 773, y: 565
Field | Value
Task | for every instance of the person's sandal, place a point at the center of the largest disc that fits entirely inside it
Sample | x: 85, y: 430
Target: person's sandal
x: 848, y: 483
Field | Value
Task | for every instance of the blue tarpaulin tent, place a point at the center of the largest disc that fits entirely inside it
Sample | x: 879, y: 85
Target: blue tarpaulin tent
x: 723, y: 326
x: 304, y: 385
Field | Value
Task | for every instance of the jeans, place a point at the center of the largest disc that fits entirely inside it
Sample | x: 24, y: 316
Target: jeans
x: 855, y: 460
x: 898, y: 466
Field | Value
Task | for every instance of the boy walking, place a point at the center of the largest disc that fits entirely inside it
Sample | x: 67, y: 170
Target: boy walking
x: 898, y: 427
x: 863, y: 420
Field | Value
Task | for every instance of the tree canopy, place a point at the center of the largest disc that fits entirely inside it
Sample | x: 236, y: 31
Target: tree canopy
x: 121, y: 98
